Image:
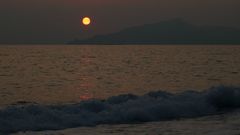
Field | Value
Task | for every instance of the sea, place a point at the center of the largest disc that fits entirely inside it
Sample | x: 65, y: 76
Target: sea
x: 120, y: 89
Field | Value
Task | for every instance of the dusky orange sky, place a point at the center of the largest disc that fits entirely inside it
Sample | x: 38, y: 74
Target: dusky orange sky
x: 55, y: 21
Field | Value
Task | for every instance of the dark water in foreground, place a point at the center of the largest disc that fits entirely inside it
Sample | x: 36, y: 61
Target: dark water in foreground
x: 59, y: 87
x: 123, y: 109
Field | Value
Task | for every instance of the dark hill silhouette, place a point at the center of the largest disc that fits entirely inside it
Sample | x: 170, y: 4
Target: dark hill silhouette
x: 168, y: 32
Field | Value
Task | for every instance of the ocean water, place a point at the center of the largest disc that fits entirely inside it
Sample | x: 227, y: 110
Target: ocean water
x: 52, y: 87
x: 227, y: 124
x: 65, y: 74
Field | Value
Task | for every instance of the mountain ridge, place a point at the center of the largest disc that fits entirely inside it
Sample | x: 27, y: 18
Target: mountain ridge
x: 174, y: 31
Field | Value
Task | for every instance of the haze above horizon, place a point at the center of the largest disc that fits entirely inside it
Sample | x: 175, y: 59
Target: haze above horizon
x: 52, y: 21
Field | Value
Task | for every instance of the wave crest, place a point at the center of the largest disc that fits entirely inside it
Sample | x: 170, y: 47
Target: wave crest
x: 154, y: 106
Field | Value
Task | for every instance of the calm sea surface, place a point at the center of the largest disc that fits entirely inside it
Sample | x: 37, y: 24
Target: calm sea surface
x: 65, y: 74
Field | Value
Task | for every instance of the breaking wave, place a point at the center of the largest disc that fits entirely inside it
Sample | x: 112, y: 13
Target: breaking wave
x: 154, y: 106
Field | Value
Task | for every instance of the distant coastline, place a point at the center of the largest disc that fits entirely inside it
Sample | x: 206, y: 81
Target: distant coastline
x: 169, y: 32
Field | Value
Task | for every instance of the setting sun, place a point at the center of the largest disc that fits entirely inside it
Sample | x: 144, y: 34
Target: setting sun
x: 86, y: 21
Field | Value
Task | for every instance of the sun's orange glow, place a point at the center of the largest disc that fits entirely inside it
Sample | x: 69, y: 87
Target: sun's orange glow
x: 86, y: 21
x: 86, y: 97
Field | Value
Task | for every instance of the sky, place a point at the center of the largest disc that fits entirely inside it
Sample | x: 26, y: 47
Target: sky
x: 56, y: 21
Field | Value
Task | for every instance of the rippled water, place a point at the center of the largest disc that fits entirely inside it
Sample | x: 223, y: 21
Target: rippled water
x: 63, y: 74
